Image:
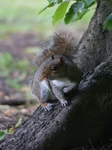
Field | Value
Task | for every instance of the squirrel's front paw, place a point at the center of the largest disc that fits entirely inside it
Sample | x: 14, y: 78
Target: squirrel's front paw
x: 64, y: 103
x: 48, y: 107
x: 66, y: 89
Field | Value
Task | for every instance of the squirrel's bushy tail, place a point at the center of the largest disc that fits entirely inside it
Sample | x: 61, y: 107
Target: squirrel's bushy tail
x: 62, y: 42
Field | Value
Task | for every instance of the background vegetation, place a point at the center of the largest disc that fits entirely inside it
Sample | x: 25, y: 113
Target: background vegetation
x: 22, y: 16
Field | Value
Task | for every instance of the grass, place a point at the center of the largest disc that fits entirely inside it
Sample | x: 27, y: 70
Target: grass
x: 21, y: 16
x: 8, y: 64
x: 15, y: 72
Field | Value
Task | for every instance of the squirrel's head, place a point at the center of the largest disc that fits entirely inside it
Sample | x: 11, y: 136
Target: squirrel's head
x: 56, y: 68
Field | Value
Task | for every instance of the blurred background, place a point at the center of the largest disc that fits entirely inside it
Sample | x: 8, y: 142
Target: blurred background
x: 22, y: 31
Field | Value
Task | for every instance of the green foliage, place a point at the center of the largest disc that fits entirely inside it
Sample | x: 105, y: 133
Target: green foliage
x: 55, y: 1
x: 3, y: 133
x: 89, y: 3
x: 11, y: 130
x: 60, y: 12
x: 76, y: 11
x: 49, y: 5
x: 19, y: 122
x: 108, y: 22
x: 21, y: 16
x: 13, y: 83
x: 8, y: 66
x: 6, y: 63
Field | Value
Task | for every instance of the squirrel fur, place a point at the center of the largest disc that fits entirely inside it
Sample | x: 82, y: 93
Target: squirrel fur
x: 56, y: 73
x: 60, y: 43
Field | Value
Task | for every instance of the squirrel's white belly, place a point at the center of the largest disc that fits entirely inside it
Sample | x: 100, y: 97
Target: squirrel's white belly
x: 44, y: 84
x: 62, y: 82
x: 46, y: 88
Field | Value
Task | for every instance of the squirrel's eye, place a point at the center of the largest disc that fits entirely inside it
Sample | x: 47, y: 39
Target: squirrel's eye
x: 54, y: 68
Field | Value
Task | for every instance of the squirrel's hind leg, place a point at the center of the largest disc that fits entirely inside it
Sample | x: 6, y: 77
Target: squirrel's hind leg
x: 47, y: 106
x: 44, y: 100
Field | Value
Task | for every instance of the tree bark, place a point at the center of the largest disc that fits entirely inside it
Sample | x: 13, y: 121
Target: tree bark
x: 96, y: 43
x: 89, y: 114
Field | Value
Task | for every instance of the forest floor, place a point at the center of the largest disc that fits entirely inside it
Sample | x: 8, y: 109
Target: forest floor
x: 14, y: 79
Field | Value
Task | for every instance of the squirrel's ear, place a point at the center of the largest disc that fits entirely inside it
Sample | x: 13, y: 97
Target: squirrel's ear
x: 52, y: 57
x: 62, y: 61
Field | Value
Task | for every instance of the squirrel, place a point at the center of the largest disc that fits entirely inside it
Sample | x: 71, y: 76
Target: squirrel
x: 57, y: 74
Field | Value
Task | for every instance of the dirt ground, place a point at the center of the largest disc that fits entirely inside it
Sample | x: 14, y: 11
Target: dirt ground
x: 12, y: 109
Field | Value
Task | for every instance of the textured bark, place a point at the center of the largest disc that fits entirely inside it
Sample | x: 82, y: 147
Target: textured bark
x: 89, y: 115
x: 96, y: 44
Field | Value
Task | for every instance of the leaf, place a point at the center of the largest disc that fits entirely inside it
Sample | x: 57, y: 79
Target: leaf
x: 76, y: 12
x: 89, y: 3
x: 108, y: 22
x: 59, y: 1
x: 60, y: 12
x: 19, y: 122
x: 3, y: 133
x: 11, y: 130
x: 49, y: 5
x: 55, y: 1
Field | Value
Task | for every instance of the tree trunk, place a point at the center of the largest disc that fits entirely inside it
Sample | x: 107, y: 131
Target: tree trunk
x: 89, y: 114
x: 95, y: 46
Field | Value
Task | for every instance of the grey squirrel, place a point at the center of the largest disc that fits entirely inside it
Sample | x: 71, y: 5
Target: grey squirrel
x: 56, y: 73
